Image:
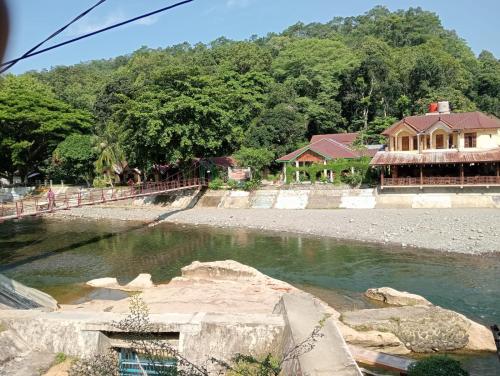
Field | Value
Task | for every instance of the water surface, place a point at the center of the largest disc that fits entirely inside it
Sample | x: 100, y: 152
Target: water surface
x: 59, y: 257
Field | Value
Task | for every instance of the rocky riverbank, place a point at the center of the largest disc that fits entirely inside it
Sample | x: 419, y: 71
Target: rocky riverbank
x: 471, y: 231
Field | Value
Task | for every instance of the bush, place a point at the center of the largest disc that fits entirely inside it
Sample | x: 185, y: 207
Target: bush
x: 100, y: 182
x: 251, y: 185
x: 353, y: 178
x: 216, y: 184
x: 233, y: 184
x: 437, y: 366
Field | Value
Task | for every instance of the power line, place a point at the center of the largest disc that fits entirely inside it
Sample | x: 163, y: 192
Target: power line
x: 97, y: 32
x: 11, y: 63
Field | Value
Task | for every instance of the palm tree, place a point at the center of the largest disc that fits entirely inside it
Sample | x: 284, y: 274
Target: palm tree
x: 111, y: 158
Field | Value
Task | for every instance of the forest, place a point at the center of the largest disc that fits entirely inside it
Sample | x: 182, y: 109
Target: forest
x: 264, y: 96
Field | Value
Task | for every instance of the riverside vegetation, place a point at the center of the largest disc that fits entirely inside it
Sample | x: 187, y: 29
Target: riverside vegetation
x: 262, y: 96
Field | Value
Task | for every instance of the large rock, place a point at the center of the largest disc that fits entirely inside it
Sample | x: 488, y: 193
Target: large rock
x: 141, y: 282
x: 15, y: 295
x: 391, y: 296
x: 423, y: 329
x: 373, y: 340
x: 104, y: 283
x: 220, y: 270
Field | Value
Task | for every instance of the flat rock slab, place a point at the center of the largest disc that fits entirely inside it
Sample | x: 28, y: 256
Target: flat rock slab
x: 423, y: 329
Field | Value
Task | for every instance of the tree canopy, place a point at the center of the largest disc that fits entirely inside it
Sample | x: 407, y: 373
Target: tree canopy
x: 171, y: 104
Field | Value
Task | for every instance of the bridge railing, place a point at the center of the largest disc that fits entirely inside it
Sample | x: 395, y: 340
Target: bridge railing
x: 93, y: 196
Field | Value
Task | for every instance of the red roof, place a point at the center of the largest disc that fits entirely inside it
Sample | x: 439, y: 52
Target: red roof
x: 344, y: 138
x: 326, y: 147
x: 385, y: 158
x: 464, y: 120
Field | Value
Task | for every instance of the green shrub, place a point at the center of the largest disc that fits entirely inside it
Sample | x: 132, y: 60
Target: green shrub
x: 251, y: 185
x: 60, y: 357
x: 353, y: 178
x: 233, y: 184
x: 100, y: 182
x: 437, y: 366
x: 216, y: 184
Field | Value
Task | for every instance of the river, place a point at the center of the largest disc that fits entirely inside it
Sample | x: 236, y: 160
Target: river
x: 59, y: 256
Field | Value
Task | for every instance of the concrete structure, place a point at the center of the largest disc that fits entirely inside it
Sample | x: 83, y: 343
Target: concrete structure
x: 327, y: 197
x: 14, y: 193
x: 216, y: 309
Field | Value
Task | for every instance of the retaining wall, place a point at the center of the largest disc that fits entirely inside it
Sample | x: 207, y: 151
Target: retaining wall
x: 15, y: 193
x: 312, y: 198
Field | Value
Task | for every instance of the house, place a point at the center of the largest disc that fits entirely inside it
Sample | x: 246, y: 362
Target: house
x: 326, y: 147
x: 441, y: 149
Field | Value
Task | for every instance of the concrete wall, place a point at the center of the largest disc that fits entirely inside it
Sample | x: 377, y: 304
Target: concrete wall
x: 15, y: 193
x: 329, y: 354
x: 201, y: 335
x: 314, y: 198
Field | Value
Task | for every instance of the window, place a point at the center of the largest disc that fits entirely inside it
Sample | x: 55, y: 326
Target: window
x: 450, y: 141
x: 405, y: 143
x: 439, y: 141
x: 470, y: 140
x: 415, y: 143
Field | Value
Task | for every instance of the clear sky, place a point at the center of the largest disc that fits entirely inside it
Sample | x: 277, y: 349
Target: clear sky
x: 205, y: 20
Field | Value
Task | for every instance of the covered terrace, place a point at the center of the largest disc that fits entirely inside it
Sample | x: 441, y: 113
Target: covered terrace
x: 444, y: 169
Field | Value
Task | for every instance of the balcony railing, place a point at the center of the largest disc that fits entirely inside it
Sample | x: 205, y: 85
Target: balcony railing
x: 442, y: 180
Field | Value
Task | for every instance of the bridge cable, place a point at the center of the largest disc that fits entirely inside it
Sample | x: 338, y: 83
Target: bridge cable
x: 97, y: 32
x: 11, y: 63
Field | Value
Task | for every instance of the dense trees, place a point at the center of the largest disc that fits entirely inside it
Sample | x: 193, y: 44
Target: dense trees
x: 32, y: 123
x: 168, y: 105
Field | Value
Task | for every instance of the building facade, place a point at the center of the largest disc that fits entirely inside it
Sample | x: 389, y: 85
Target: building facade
x: 441, y: 149
x: 322, y: 149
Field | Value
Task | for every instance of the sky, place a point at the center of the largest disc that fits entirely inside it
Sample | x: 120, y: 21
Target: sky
x: 206, y: 20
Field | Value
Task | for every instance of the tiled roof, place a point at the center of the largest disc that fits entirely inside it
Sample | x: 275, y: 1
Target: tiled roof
x: 326, y: 147
x: 345, y: 138
x: 385, y: 158
x: 465, y: 120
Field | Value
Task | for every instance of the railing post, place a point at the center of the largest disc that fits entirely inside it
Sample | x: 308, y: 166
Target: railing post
x: 79, y: 199
x: 103, y: 199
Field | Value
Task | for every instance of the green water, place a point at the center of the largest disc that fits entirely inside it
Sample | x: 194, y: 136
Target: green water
x: 59, y: 257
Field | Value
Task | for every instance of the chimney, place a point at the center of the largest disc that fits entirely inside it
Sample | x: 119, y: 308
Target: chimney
x: 433, y: 109
x: 444, y: 107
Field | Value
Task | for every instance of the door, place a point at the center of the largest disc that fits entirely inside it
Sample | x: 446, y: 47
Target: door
x: 405, y: 143
x: 439, y: 141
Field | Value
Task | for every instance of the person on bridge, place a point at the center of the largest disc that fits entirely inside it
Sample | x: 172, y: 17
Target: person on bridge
x: 51, y: 197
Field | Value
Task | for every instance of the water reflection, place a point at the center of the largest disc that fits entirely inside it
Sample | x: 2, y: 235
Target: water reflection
x: 55, y: 255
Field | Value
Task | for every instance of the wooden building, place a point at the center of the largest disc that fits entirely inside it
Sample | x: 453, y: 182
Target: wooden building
x: 441, y: 149
x: 324, y: 148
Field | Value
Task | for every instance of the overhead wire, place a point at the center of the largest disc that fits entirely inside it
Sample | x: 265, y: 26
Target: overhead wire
x: 34, y: 53
x: 10, y: 64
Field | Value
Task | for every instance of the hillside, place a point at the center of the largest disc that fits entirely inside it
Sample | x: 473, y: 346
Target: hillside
x: 274, y: 92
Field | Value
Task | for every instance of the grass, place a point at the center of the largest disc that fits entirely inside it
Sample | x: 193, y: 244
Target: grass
x: 60, y: 357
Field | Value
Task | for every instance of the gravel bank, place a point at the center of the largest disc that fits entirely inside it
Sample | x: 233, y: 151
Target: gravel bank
x: 456, y: 230
x: 148, y: 213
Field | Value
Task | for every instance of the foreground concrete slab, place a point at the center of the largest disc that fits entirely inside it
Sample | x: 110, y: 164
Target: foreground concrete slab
x: 330, y: 354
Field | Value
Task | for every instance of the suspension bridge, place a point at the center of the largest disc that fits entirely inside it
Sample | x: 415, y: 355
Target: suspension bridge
x: 50, y: 203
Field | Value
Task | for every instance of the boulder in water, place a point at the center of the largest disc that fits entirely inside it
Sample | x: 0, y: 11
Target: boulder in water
x: 394, y: 297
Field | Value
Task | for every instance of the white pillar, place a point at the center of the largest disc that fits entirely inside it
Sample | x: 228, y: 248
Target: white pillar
x: 324, y: 171
x: 284, y: 172
x: 297, y: 173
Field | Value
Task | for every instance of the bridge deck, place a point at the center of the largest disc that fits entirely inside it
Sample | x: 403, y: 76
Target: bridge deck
x: 63, y: 201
